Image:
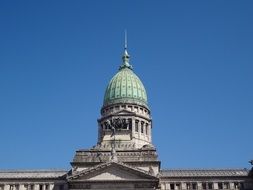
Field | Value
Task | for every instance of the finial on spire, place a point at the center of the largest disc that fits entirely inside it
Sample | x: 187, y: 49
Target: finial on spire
x: 125, y: 39
x: 125, y: 56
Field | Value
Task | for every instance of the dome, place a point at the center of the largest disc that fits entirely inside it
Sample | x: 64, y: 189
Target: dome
x: 125, y: 86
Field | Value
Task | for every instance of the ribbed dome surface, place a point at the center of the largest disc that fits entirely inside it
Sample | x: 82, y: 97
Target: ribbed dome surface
x: 125, y: 87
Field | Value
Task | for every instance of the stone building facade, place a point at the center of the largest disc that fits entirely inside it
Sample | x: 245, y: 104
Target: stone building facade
x: 124, y: 156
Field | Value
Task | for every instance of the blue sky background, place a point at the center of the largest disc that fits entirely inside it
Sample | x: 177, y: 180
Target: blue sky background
x: 194, y: 58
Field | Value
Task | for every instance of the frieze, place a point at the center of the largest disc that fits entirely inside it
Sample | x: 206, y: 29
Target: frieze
x: 144, y: 185
x: 79, y: 186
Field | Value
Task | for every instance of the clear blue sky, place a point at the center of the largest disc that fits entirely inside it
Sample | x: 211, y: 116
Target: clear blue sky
x: 194, y: 57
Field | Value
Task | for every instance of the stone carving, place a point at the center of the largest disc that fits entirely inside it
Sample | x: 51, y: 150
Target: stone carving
x: 117, y: 124
x: 114, y: 125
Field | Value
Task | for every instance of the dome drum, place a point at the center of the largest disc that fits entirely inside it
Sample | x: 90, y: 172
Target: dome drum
x: 132, y: 107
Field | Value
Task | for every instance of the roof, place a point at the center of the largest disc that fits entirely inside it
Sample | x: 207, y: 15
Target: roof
x: 35, y: 174
x: 125, y: 87
x: 204, y: 173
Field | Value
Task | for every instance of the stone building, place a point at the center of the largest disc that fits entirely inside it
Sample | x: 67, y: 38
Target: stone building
x: 124, y: 156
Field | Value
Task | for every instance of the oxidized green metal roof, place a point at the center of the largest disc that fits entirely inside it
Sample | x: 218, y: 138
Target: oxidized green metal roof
x: 125, y: 86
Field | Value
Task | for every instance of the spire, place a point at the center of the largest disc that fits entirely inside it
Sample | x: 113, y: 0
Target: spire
x: 125, y: 57
x: 125, y: 41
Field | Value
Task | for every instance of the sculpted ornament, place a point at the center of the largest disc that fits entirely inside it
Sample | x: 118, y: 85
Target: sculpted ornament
x: 114, y: 125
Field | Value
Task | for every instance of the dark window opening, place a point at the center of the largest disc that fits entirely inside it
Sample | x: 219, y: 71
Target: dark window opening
x: 226, y: 185
x: 130, y: 124
x: 204, y: 185
x: 136, y: 126
x: 194, y: 186
x: 142, y: 130
x: 220, y: 186
x: 146, y: 128
x: 210, y: 185
x: 241, y: 186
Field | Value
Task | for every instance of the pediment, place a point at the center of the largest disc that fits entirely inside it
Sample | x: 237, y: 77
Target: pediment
x: 112, y: 171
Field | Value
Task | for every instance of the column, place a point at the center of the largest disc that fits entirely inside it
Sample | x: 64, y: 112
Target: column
x: 36, y: 186
x: 163, y: 186
x: 199, y: 185
x: 139, y: 129
x: 51, y: 186
x: 6, y: 187
x: 183, y: 186
x: 22, y: 187
x: 150, y: 131
x: 215, y: 185
x: 167, y: 186
x: 231, y: 185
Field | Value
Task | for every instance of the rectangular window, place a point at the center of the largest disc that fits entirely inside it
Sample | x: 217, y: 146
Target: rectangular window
x: 142, y: 126
x: 32, y: 187
x: 136, y: 126
x: 61, y: 187
x: 124, y: 124
x: 226, y: 185
x: 194, y: 185
x: 204, y: 185
x: 236, y: 184
x: 172, y: 186
x: 220, y: 186
x: 210, y: 186
x: 130, y: 124
x: 177, y: 186
x: 146, y: 128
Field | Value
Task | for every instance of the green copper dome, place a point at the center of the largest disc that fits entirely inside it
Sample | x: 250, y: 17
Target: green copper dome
x: 125, y: 86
